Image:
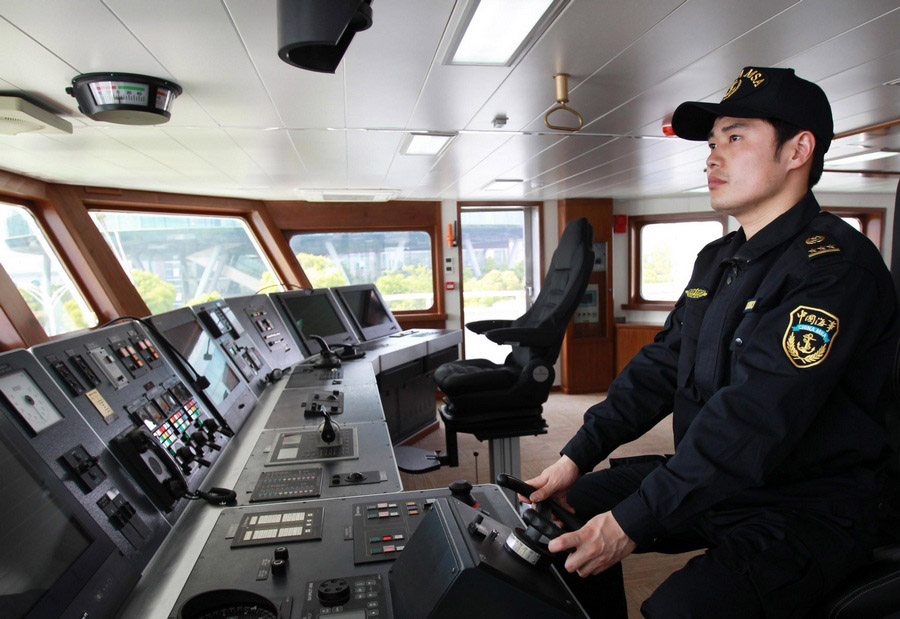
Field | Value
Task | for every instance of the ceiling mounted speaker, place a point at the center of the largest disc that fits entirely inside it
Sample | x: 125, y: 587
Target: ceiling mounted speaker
x: 124, y: 98
x: 315, y: 34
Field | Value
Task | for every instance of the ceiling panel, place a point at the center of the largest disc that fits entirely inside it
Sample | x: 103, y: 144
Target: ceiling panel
x: 386, y: 66
x: 586, y: 36
x: 667, y: 48
x: 200, y: 47
x: 325, y: 156
x: 250, y: 125
x: 304, y: 99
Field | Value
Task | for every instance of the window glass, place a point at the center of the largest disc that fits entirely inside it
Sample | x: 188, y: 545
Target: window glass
x: 398, y: 262
x: 668, y: 251
x: 35, y: 269
x: 178, y: 260
x: 854, y: 221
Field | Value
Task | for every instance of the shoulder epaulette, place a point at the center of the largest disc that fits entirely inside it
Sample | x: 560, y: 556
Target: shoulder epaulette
x: 815, y: 244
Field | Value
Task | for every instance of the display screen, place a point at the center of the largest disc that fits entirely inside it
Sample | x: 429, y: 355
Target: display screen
x: 40, y: 539
x: 314, y: 315
x: 366, y: 307
x: 201, y: 352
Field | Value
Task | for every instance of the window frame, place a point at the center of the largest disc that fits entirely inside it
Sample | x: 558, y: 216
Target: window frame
x: 871, y: 220
x: 246, y: 225
x: 636, y: 223
x: 436, y: 311
x: 16, y: 313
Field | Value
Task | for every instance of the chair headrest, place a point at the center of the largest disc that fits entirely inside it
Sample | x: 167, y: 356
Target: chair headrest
x: 570, y: 251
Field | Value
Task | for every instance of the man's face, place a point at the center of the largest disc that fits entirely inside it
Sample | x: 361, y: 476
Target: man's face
x: 742, y: 170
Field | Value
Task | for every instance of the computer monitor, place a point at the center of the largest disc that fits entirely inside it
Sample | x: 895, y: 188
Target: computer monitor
x: 181, y: 328
x: 50, y: 548
x: 316, y: 312
x: 368, y: 310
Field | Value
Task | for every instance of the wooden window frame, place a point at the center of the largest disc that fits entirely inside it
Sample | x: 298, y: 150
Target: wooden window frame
x: 871, y: 220
x: 436, y: 310
x: 635, y: 225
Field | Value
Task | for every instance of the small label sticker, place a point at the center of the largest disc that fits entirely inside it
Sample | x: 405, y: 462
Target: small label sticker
x: 102, y: 406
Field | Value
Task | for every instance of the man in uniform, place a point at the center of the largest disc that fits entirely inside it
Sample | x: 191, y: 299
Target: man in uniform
x: 776, y: 363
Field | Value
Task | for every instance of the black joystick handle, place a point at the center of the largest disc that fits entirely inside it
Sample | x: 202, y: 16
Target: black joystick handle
x: 569, y: 520
x: 462, y: 491
x: 328, y: 432
x: 538, y: 525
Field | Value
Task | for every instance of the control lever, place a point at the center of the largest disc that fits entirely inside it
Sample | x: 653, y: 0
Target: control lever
x: 569, y: 520
x: 328, y: 358
x: 526, y: 543
x: 329, y: 435
x: 201, y: 440
x: 187, y: 455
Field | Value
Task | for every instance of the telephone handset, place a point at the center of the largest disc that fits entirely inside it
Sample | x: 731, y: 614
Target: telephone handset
x: 155, y: 468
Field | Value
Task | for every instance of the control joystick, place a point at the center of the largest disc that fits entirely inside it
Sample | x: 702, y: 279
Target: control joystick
x: 334, y: 592
x: 461, y: 490
x: 526, y: 543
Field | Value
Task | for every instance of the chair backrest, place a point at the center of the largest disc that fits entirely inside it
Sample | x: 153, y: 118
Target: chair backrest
x: 563, y: 287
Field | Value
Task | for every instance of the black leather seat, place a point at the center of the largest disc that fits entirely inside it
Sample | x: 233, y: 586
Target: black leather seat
x: 500, y: 402
x: 478, y: 387
x: 874, y: 591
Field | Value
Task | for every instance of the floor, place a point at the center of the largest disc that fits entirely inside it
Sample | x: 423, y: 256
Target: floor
x: 644, y: 572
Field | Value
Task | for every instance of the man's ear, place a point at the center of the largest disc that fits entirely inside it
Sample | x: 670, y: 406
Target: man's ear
x: 801, y: 148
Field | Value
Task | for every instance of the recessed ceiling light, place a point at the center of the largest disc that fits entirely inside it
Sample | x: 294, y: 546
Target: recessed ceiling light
x: 427, y: 143
x: 878, y: 154
x: 347, y: 195
x: 500, y: 184
x: 497, y: 32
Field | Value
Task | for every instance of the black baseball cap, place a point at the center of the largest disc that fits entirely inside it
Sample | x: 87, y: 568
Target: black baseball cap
x: 761, y: 92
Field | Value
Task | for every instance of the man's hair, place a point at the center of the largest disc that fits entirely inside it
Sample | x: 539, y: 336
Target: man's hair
x: 784, y: 131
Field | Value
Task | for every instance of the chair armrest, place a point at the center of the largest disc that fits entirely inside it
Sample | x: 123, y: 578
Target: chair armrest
x: 523, y: 336
x: 480, y: 326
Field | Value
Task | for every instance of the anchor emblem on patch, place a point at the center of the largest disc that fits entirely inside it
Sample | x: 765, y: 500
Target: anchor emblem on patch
x: 809, y: 336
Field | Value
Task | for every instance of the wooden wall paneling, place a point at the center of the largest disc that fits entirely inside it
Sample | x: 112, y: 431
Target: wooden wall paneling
x: 588, y: 352
x: 630, y: 338
x: 276, y: 246
x: 86, y: 255
x: 18, y: 326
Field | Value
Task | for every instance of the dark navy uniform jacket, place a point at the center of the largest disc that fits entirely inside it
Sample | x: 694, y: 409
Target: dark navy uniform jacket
x: 776, y: 363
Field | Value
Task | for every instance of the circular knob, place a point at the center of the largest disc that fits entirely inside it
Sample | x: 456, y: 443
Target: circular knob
x: 462, y: 491
x: 333, y: 592
x: 356, y: 476
x: 279, y: 567
x: 281, y: 553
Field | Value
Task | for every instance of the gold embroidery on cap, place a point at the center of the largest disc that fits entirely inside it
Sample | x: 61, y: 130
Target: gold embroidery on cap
x: 809, y: 336
x: 754, y: 75
x: 695, y: 293
x: 815, y: 239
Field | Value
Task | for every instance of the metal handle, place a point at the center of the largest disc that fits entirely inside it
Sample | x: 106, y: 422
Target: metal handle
x: 562, y: 97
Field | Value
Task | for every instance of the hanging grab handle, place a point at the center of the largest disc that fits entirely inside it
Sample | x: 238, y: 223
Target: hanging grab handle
x: 562, y: 97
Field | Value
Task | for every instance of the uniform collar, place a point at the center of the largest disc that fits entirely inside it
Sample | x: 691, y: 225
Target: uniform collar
x: 784, y: 227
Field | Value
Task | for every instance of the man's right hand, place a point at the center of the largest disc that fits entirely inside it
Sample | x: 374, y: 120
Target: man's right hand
x: 553, y: 482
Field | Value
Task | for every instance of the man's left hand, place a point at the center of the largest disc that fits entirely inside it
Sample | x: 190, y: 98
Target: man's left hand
x: 599, y: 544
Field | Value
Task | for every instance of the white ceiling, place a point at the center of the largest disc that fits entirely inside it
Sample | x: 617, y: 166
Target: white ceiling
x: 249, y: 125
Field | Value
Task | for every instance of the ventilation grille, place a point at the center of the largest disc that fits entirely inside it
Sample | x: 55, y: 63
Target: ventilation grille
x: 19, y: 116
x: 347, y: 195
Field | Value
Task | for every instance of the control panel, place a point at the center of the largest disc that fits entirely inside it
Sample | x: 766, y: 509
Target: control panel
x: 452, y: 563
x: 286, y: 462
x: 140, y: 407
x: 198, y: 354
x: 229, y: 333
x: 266, y: 329
x: 307, y: 407
x: 38, y: 420
x: 588, y: 309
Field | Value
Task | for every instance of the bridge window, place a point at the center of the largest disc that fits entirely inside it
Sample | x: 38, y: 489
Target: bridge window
x: 35, y: 269
x: 178, y: 260
x: 662, y: 250
x: 398, y: 262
